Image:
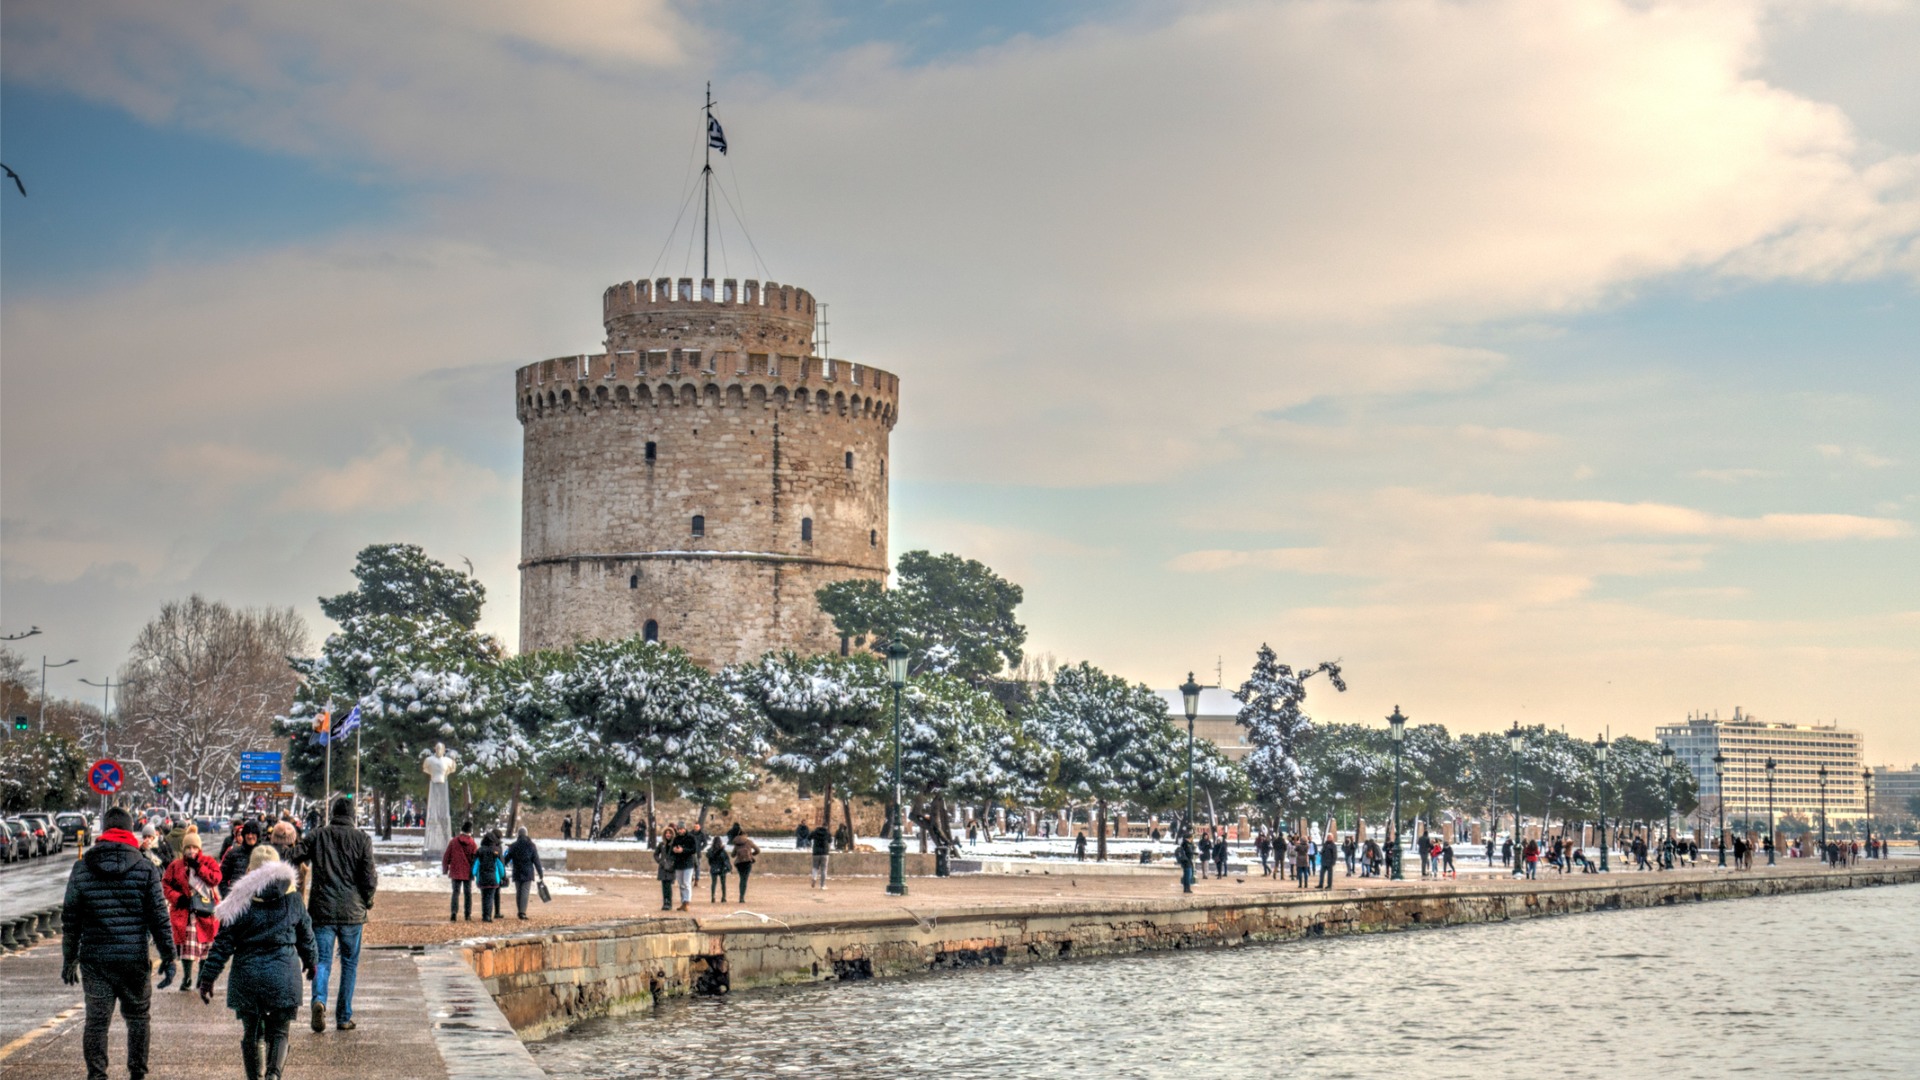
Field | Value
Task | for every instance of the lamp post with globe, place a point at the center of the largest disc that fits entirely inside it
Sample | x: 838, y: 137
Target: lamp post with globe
x: 1600, y: 757
x: 897, y: 850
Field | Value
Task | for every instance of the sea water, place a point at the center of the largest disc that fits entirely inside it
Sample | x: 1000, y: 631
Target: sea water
x: 1788, y: 988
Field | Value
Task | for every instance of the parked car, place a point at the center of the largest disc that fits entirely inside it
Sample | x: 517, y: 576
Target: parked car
x: 6, y: 845
x: 25, y: 846
x: 75, y: 828
x: 43, y: 824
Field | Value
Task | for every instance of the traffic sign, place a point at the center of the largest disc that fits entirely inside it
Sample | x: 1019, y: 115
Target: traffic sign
x: 106, y: 776
x: 263, y: 756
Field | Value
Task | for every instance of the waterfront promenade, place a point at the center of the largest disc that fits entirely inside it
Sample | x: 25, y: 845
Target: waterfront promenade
x: 420, y: 1009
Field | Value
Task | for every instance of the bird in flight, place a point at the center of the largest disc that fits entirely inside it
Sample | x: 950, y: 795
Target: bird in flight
x: 15, y: 177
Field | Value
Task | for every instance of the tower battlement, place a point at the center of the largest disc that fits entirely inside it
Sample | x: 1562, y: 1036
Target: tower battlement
x: 748, y: 315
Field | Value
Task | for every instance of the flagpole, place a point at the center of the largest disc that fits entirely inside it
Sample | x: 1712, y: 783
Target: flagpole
x: 356, y: 769
x: 706, y: 196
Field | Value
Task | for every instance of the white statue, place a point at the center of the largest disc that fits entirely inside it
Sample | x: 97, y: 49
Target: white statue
x: 439, y: 825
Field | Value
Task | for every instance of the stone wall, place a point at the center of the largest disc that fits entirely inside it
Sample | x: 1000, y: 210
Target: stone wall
x: 546, y: 982
x: 714, y: 409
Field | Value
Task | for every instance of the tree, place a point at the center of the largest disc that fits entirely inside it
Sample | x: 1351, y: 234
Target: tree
x: 1347, y: 766
x: 1913, y: 805
x: 1278, y: 728
x: 204, y: 682
x: 1112, y: 738
x: 819, y: 711
x: 659, y: 717
x: 44, y: 772
x: 957, y: 745
x: 408, y: 657
x: 401, y: 580
x: 954, y: 615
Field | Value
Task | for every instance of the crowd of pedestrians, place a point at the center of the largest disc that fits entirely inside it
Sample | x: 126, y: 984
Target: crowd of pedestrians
x: 269, y: 915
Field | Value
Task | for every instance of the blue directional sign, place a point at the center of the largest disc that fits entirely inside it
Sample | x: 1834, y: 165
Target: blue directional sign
x: 260, y: 767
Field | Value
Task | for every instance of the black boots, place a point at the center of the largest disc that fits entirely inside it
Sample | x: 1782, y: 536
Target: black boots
x: 277, y: 1045
x: 186, y: 975
x: 250, y: 1053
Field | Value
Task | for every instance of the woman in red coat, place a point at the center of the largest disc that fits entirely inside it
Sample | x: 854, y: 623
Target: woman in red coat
x: 191, y: 875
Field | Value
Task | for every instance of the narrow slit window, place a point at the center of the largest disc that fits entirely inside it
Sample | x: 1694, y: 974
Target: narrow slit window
x: 873, y: 538
x: 653, y: 451
x: 650, y: 631
x: 849, y: 461
x: 699, y: 525
x: 806, y: 530
x: 633, y: 581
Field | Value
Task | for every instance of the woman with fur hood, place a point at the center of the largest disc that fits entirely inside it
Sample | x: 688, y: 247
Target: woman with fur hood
x: 265, y: 931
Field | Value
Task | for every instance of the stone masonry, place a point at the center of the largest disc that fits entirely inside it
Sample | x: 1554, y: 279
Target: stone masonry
x: 700, y: 479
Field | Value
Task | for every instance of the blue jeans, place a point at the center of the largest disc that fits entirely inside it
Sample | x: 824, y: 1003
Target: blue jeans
x: 323, y: 940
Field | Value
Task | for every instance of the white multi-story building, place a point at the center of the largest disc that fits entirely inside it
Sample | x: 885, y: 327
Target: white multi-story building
x: 1798, y: 752
x: 1892, y: 788
x: 1216, y: 721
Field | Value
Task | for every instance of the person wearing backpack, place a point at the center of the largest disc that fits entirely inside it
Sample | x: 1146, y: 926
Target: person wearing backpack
x: 490, y: 873
x: 719, y: 865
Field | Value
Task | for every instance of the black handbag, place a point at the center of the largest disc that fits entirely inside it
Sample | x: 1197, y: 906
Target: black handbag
x: 200, y: 905
x: 545, y: 896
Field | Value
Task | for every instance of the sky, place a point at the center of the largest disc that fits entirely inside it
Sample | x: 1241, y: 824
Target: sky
x: 1552, y: 363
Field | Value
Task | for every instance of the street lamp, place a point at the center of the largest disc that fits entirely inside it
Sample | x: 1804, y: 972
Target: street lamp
x: 1823, y: 813
x: 1600, y: 756
x: 1397, y: 731
x: 1190, y: 699
x: 1516, y: 740
x: 106, y: 699
x: 1666, y: 766
x: 1866, y: 783
x: 43, y: 688
x: 1720, y: 801
x: 897, y: 868
x: 1773, y: 842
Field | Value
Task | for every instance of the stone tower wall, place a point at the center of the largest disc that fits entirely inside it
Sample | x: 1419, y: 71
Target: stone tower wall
x: 753, y: 440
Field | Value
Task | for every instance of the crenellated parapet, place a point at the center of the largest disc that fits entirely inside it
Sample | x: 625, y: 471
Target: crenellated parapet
x: 670, y: 378
x: 747, y: 316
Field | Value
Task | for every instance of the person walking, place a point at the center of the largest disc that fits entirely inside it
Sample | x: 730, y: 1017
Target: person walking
x: 1220, y: 855
x: 822, y: 845
x: 1349, y: 850
x: 191, y: 884
x: 266, y: 933
x: 1532, y: 855
x: 663, y: 867
x: 1329, y: 854
x: 566, y: 828
x: 1446, y: 859
x: 338, y: 861
x: 801, y: 835
x: 1080, y: 846
x: 719, y: 865
x: 685, y: 850
x: 523, y: 858
x: 1262, y: 845
x: 744, y: 852
x: 113, y: 906
x: 457, y: 863
x: 489, y: 875
x: 233, y: 861
x: 1302, y: 861
x: 1183, y: 853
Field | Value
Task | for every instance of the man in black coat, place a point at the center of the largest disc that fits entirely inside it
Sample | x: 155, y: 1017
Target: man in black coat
x: 339, y: 893
x: 113, y: 907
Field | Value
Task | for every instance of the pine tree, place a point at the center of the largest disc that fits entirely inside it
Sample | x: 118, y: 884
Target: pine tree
x: 1278, y: 728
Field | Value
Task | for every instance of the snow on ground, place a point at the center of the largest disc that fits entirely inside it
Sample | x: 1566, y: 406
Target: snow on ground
x: 426, y: 877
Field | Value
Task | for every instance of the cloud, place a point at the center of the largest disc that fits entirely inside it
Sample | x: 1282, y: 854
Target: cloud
x: 390, y: 478
x: 1733, y: 476
x: 1854, y: 455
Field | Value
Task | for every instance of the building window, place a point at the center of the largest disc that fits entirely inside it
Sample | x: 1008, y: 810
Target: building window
x: 806, y: 530
x: 849, y: 461
x: 650, y: 631
x: 699, y: 525
x: 633, y: 582
x: 653, y: 451
x: 873, y: 538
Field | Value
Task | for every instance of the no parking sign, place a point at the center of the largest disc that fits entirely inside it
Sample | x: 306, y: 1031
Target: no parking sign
x: 106, y: 776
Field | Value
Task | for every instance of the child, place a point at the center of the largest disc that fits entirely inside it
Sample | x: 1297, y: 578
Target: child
x: 265, y: 931
x: 490, y: 873
x: 719, y: 865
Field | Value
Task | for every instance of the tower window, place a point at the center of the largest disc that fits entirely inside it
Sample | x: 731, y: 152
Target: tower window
x: 849, y: 460
x: 650, y: 631
x: 633, y: 582
x: 883, y: 467
x: 806, y: 530
x: 653, y: 450
x: 873, y: 538
x: 699, y: 525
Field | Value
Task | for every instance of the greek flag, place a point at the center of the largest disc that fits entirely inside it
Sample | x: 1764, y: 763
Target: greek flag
x: 715, y: 137
x: 352, y: 721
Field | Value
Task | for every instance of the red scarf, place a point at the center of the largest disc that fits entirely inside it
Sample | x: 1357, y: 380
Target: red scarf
x: 120, y: 836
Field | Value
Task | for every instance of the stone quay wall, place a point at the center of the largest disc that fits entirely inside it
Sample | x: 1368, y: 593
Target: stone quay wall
x: 544, y: 983
x: 703, y: 477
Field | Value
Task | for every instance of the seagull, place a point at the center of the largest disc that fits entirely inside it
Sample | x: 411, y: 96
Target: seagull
x: 15, y: 177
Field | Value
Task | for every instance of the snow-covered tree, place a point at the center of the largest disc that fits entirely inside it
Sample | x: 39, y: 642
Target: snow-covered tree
x: 654, y: 714
x: 955, y: 615
x: 1112, y: 738
x: 1277, y: 726
x: 819, y: 711
x: 44, y: 772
